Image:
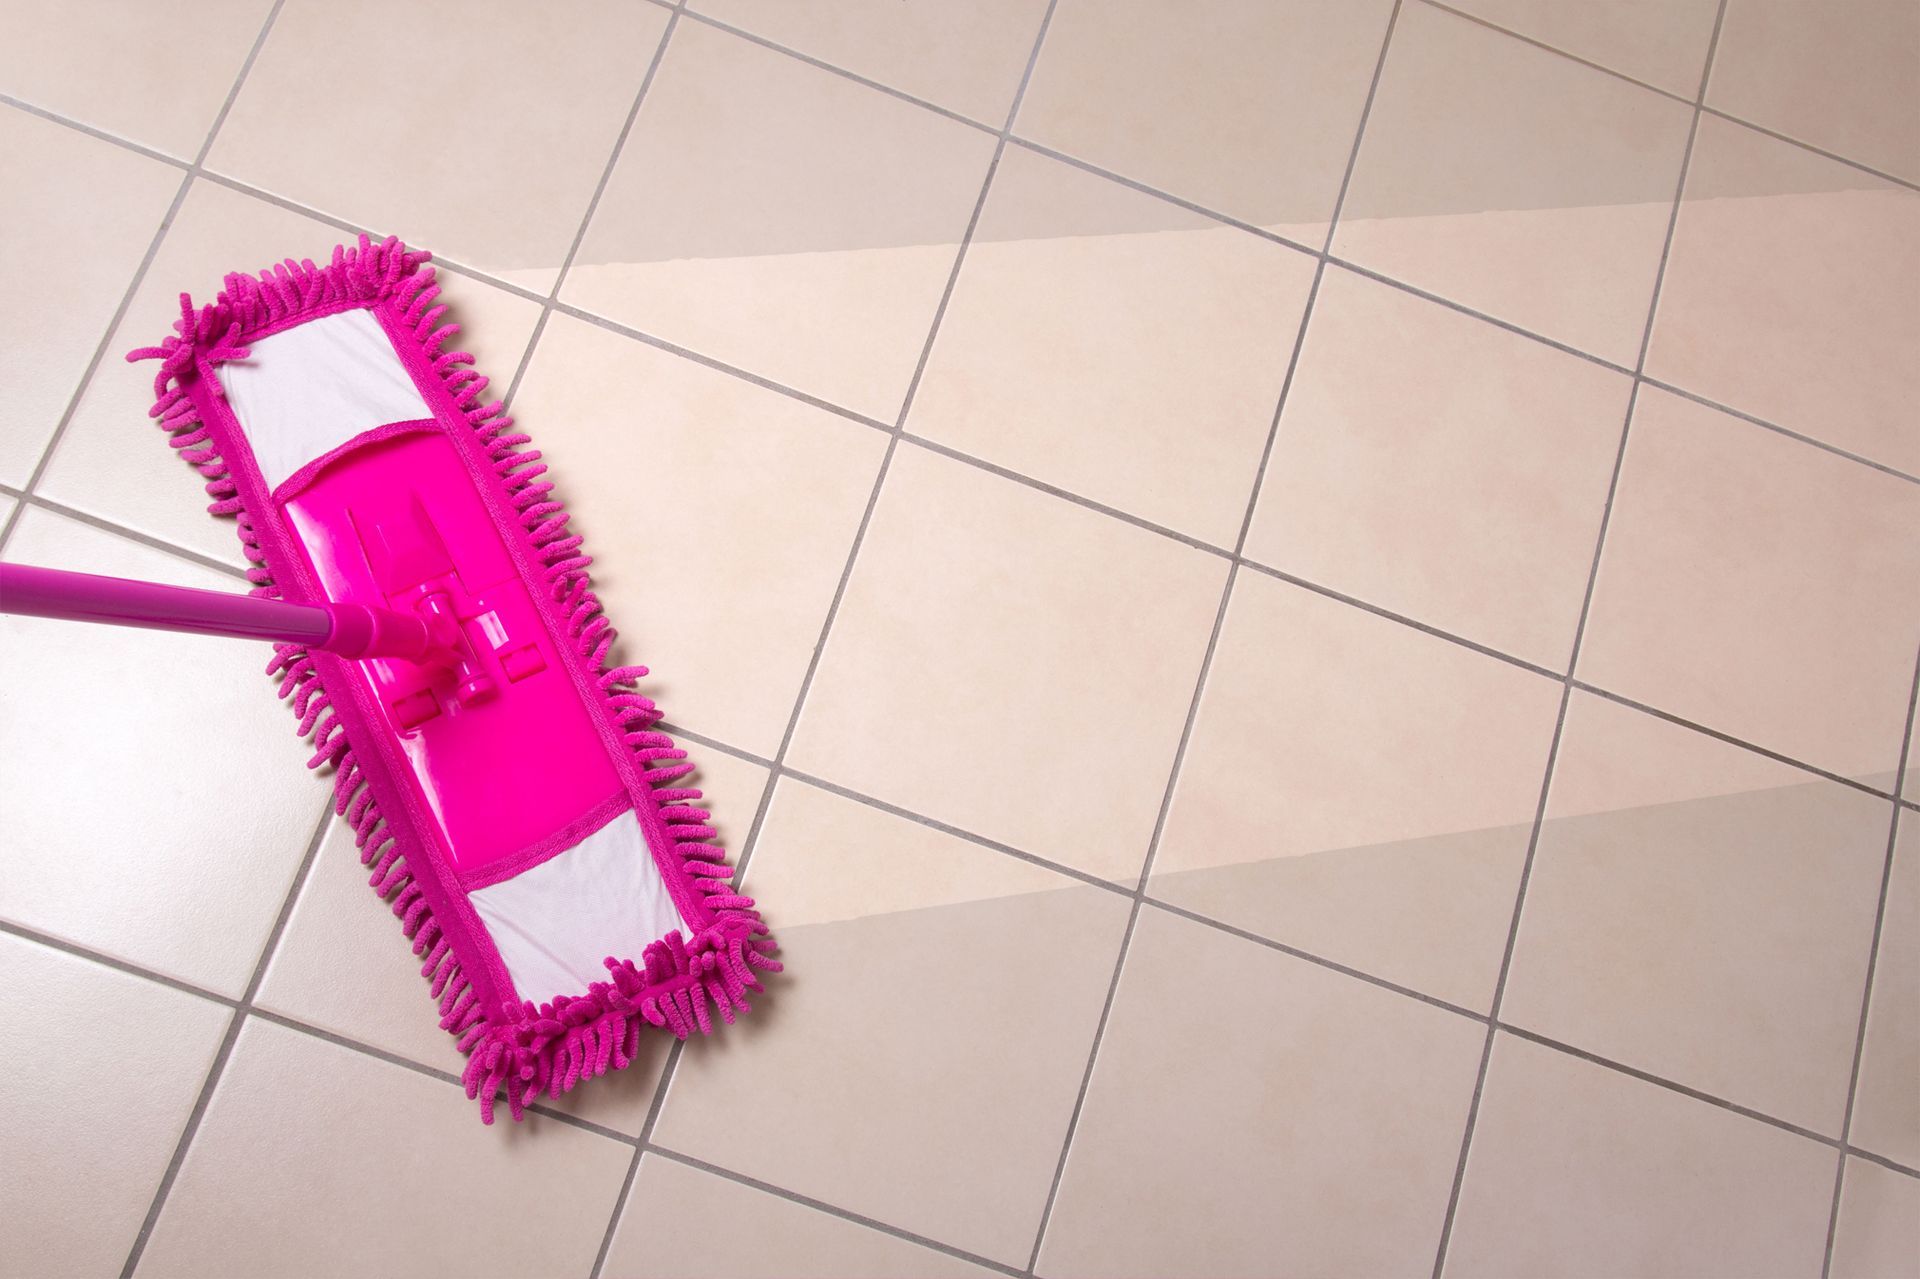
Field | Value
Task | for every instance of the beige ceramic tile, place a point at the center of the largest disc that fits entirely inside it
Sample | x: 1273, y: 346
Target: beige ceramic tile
x: 156, y: 799
x: 1748, y: 584
x: 101, y: 1071
x: 1661, y: 42
x: 156, y: 74
x: 343, y: 964
x: 1843, y: 76
x: 1578, y: 1170
x: 484, y: 145
x: 1879, y: 1228
x: 783, y: 219
x: 1323, y: 800
x: 1516, y: 182
x: 80, y: 214
x: 918, y: 1061
x: 1700, y: 912
x: 720, y: 515
x: 1793, y: 293
x: 314, y: 1160
x: 967, y: 58
x: 1886, y: 1111
x: 1011, y: 664
x: 112, y: 461
x: 1251, y: 1113
x: 1115, y: 345
x: 683, y: 1223
x: 1246, y: 107
x: 1443, y: 468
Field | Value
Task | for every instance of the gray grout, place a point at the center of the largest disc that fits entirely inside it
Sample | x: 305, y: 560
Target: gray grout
x: 776, y: 766
x: 1873, y: 958
x: 1206, y: 660
x: 1573, y: 664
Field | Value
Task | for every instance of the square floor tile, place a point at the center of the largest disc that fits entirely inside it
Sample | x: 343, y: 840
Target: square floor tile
x: 1252, y: 1113
x: 1879, y: 1227
x: 1886, y: 1111
x: 1700, y: 912
x: 113, y: 462
x: 155, y: 74
x: 918, y: 1061
x: 344, y: 966
x: 485, y: 145
x: 101, y: 1072
x: 316, y: 1160
x: 1750, y: 584
x: 1661, y: 42
x: 1579, y: 1170
x: 966, y: 58
x: 1246, y: 107
x: 1324, y: 802
x: 1516, y: 182
x: 80, y: 214
x: 720, y: 515
x: 1012, y: 664
x: 157, y: 802
x: 1842, y: 76
x: 1442, y: 468
x: 1115, y: 345
x: 1793, y: 293
x: 684, y: 1223
x: 783, y: 219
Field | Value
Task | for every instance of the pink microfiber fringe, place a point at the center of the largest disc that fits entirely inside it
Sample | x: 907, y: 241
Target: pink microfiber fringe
x: 677, y: 982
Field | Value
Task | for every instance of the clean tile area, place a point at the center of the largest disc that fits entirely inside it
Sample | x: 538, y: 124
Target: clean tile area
x: 1304, y: 616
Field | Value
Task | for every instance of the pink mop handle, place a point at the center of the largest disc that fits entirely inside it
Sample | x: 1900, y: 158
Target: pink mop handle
x: 351, y: 630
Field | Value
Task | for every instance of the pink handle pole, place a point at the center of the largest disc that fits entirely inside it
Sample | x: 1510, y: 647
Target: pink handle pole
x: 351, y: 630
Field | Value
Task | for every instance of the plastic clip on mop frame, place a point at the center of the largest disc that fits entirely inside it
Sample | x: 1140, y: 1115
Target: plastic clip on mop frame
x: 507, y: 788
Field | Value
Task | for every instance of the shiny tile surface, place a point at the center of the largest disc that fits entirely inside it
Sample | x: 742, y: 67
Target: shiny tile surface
x: 1440, y: 467
x: 1248, y: 1114
x: 1128, y: 652
x: 1315, y: 713
x: 899, y: 941
x: 752, y: 498
x: 1659, y: 42
x: 395, y: 1153
x: 684, y: 1223
x: 1781, y: 65
x: 114, y: 463
x: 1746, y: 583
x: 1575, y: 1150
x: 783, y: 219
x: 80, y: 214
x: 1886, y: 1114
x: 966, y: 58
x: 1700, y: 912
x: 1515, y: 182
x: 104, y: 1121
x: 1245, y: 107
x: 419, y: 146
x: 131, y: 828
x: 1115, y: 345
x: 1011, y: 665
x: 1793, y: 293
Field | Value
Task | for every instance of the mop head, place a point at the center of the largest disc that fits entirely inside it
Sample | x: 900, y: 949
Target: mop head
x: 520, y: 812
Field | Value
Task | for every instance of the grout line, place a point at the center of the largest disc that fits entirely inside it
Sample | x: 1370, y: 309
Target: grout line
x: 81, y: 126
x: 1792, y: 141
x: 79, y: 951
x: 1891, y: 1165
x: 821, y: 1205
x: 1573, y: 663
x: 239, y: 1018
x: 593, y: 205
x: 1206, y: 660
x: 1537, y: 43
x: 1776, y: 428
x: 1873, y: 958
x: 135, y: 535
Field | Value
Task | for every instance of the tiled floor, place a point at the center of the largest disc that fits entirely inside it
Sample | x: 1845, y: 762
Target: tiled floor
x: 1304, y: 613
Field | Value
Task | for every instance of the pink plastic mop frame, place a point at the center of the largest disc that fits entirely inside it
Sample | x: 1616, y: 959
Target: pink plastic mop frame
x: 347, y: 707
